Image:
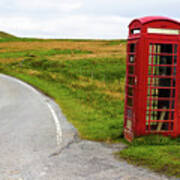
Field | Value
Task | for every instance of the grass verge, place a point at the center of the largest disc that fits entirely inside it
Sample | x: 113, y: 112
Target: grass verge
x: 87, y: 90
x: 164, y: 159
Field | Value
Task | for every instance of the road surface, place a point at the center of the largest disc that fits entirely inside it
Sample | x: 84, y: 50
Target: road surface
x: 37, y: 142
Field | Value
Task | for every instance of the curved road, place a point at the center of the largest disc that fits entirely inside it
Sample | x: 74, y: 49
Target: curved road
x: 37, y: 143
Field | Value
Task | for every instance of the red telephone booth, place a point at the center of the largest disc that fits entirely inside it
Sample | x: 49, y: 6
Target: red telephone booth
x: 152, y: 103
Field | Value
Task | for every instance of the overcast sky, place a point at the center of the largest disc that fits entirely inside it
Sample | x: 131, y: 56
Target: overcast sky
x: 93, y: 19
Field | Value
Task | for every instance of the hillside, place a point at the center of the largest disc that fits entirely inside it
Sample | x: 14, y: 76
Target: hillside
x: 6, y: 35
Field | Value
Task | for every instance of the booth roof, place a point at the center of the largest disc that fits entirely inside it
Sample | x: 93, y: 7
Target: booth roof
x: 149, y: 19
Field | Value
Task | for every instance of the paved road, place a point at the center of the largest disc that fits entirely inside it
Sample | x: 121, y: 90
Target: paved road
x: 37, y: 143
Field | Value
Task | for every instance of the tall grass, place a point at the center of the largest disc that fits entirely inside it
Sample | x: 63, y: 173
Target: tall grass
x: 89, y: 85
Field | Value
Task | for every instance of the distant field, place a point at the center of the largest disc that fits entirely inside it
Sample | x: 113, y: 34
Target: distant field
x: 86, y: 78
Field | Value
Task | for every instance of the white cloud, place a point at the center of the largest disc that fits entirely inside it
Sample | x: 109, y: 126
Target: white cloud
x: 71, y: 6
x: 78, y: 18
x: 68, y: 27
x: 63, y: 5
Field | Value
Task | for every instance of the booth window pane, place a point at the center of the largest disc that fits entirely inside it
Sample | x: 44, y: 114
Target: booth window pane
x: 155, y: 92
x: 135, y: 31
x: 175, y: 49
x: 132, y: 48
x: 129, y: 113
x: 149, y: 92
x: 164, y: 93
x: 157, y: 115
x: 164, y: 82
x: 129, y: 124
x: 160, y: 60
x: 166, y: 48
x: 161, y: 93
x: 159, y: 104
x: 155, y: 59
x: 131, y: 80
x: 174, y: 92
x: 157, y: 48
x: 165, y: 60
x: 172, y: 115
x: 149, y: 70
x: 165, y: 71
x: 150, y: 48
x: 174, y: 71
x: 150, y: 59
x: 131, y: 69
x: 173, y: 104
x: 163, y: 48
x: 129, y: 101
x: 161, y: 84
x: 161, y: 126
x: 131, y: 59
x: 160, y: 70
x: 130, y: 91
x: 175, y: 59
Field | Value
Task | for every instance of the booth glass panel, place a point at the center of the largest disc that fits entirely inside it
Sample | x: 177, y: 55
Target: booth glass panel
x: 130, y: 91
x: 130, y: 80
x: 129, y: 113
x: 132, y: 47
x: 131, y: 70
x: 131, y: 58
x: 161, y: 87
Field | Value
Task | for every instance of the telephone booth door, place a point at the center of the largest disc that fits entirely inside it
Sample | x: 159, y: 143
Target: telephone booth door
x: 161, y: 87
x: 130, y: 89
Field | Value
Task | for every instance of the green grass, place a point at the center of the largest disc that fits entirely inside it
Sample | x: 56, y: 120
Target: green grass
x: 116, y: 42
x: 160, y: 158
x: 33, y: 53
x: 159, y: 153
x: 6, y: 37
x: 96, y: 115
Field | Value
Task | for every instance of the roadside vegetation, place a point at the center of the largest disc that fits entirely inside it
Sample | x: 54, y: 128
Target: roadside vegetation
x: 86, y: 78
